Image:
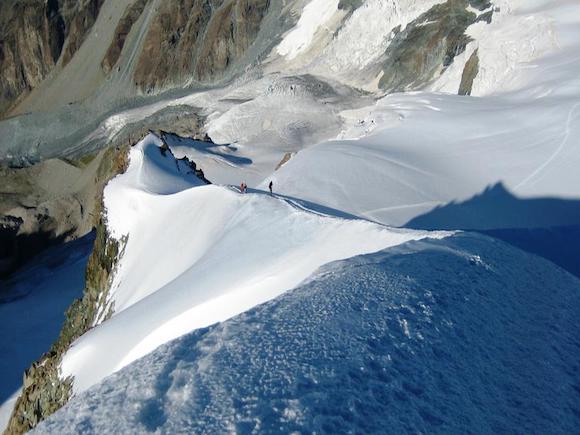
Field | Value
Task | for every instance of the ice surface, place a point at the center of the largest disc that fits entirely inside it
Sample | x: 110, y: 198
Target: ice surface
x: 459, y: 335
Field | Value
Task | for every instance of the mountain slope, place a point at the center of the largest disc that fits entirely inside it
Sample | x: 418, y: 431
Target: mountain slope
x: 411, y: 152
x: 296, y: 94
x: 35, y: 36
x: 137, y: 54
x: 463, y: 334
x: 195, y: 256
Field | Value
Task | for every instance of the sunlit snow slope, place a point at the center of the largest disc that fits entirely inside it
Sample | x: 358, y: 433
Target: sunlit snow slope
x: 459, y: 335
x: 413, y: 152
x: 198, y: 254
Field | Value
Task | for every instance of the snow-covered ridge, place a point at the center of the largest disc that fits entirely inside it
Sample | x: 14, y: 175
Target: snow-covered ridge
x: 199, y: 254
x: 461, y: 335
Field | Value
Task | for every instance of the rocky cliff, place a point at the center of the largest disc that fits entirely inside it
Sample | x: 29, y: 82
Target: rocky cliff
x: 197, y: 39
x: 43, y: 390
x: 48, y: 203
x: 34, y: 35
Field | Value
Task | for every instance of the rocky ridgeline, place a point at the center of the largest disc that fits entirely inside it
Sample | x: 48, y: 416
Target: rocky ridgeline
x: 44, y: 392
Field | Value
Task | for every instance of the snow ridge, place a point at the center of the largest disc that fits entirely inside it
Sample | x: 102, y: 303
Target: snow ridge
x: 458, y: 335
x: 199, y: 254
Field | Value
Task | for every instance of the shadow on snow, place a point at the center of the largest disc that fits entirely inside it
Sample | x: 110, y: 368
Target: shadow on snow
x: 549, y: 227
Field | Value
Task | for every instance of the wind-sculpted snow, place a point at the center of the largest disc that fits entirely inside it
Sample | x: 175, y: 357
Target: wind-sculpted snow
x: 460, y: 335
x: 195, y: 255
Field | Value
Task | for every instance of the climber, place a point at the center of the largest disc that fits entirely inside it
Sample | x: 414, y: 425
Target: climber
x: 270, y: 187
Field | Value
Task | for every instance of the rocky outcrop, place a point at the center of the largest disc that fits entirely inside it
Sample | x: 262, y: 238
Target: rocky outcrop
x: 131, y: 15
x: 350, y: 4
x: 44, y: 391
x: 284, y: 160
x: 469, y: 73
x: 428, y: 45
x: 34, y: 35
x: 184, y: 121
x: 196, y: 39
x: 166, y: 149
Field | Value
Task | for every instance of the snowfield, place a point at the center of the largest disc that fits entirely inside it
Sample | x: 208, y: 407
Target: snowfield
x: 435, y: 149
x: 409, y: 153
x: 458, y: 335
x: 195, y: 256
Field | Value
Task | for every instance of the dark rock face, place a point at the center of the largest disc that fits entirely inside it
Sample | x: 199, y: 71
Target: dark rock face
x: 284, y: 160
x: 469, y: 73
x: 79, y: 19
x: 350, y: 4
x: 9, y: 227
x: 429, y: 44
x: 197, y: 39
x: 131, y: 15
x: 29, y: 43
x: 34, y: 35
x: 480, y: 4
x: 56, y: 29
x: 166, y: 149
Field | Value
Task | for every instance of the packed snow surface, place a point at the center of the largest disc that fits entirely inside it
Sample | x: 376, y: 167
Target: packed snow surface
x: 196, y: 255
x: 410, y: 153
x: 459, y: 335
